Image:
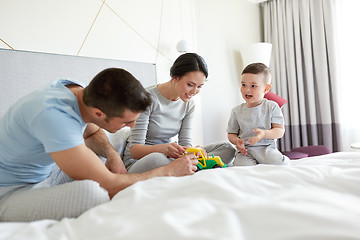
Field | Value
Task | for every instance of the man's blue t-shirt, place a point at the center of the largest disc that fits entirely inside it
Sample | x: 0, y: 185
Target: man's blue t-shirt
x: 45, y: 121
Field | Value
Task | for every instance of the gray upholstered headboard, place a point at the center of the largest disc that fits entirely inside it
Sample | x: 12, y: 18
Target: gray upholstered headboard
x: 22, y: 72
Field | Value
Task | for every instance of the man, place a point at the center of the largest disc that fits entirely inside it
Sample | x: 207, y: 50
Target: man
x: 61, y: 125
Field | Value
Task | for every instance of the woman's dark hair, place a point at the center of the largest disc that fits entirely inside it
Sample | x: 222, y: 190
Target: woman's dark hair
x: 258, y: 68
x: 114, y: 90
x: 188, y: 62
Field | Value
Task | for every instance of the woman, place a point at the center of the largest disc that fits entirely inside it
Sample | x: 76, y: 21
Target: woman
x: 150, y: 144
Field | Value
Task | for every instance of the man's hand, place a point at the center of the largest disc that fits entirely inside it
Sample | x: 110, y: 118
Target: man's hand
x: 185, y: 165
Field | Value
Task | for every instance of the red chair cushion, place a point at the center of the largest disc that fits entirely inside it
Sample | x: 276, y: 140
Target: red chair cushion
x: 295, y: 155
x: 315, y: 150
x: 272, y: 96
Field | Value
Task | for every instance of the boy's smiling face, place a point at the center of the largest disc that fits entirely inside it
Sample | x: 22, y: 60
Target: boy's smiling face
x: 253, y: 88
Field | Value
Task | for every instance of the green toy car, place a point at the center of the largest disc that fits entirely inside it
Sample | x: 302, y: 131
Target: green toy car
x: 206, y: 163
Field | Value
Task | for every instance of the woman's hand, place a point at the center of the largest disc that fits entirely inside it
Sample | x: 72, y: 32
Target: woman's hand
x: 203, y: 150
x: 173, y: 150
x: 197, y: 154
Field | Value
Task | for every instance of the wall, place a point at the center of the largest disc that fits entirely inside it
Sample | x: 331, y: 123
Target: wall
x: 223, y: 28
x: 146, y: 31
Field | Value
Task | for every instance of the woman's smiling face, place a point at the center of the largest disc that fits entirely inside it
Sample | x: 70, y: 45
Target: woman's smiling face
x: 189, y: 84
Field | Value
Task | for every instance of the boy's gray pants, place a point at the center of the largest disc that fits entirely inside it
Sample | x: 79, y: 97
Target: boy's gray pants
x: 261, y: 155
x: 56, y: 197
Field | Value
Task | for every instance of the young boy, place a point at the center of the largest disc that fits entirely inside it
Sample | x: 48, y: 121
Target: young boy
x: 254, y: 125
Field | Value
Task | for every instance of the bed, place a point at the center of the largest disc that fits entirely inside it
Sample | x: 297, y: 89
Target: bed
x: 312, y: 198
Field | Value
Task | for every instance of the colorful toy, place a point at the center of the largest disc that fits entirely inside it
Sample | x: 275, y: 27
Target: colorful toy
x: 206, y: 163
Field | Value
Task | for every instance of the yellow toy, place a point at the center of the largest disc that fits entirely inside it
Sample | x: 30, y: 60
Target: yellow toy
x: 206, y: 163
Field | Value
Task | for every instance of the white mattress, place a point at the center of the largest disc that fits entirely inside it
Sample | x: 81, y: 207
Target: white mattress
x: 313, y: 198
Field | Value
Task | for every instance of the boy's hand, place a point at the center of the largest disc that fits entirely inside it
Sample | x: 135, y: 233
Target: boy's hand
x: 240, y: 145
x: 260, y: 133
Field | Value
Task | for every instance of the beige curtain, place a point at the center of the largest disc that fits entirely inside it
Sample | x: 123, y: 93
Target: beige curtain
x: 304, y: 69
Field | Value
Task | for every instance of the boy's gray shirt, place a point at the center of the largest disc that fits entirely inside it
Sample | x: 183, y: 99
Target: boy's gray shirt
x: 243, y: 120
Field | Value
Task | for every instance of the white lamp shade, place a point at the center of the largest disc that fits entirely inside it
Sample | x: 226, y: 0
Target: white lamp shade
x: 182, y: 46
x: 256, y: 52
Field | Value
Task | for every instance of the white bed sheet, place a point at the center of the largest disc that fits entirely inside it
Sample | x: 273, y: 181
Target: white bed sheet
x: 313, y: 198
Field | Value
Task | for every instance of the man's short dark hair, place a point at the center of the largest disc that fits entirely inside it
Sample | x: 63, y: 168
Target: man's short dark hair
x: 114, y: 90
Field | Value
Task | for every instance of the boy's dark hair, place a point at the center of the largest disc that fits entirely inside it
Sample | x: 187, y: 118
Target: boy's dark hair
x: 188, y: 62
x: 257, y: 68
x: 114, y: 90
